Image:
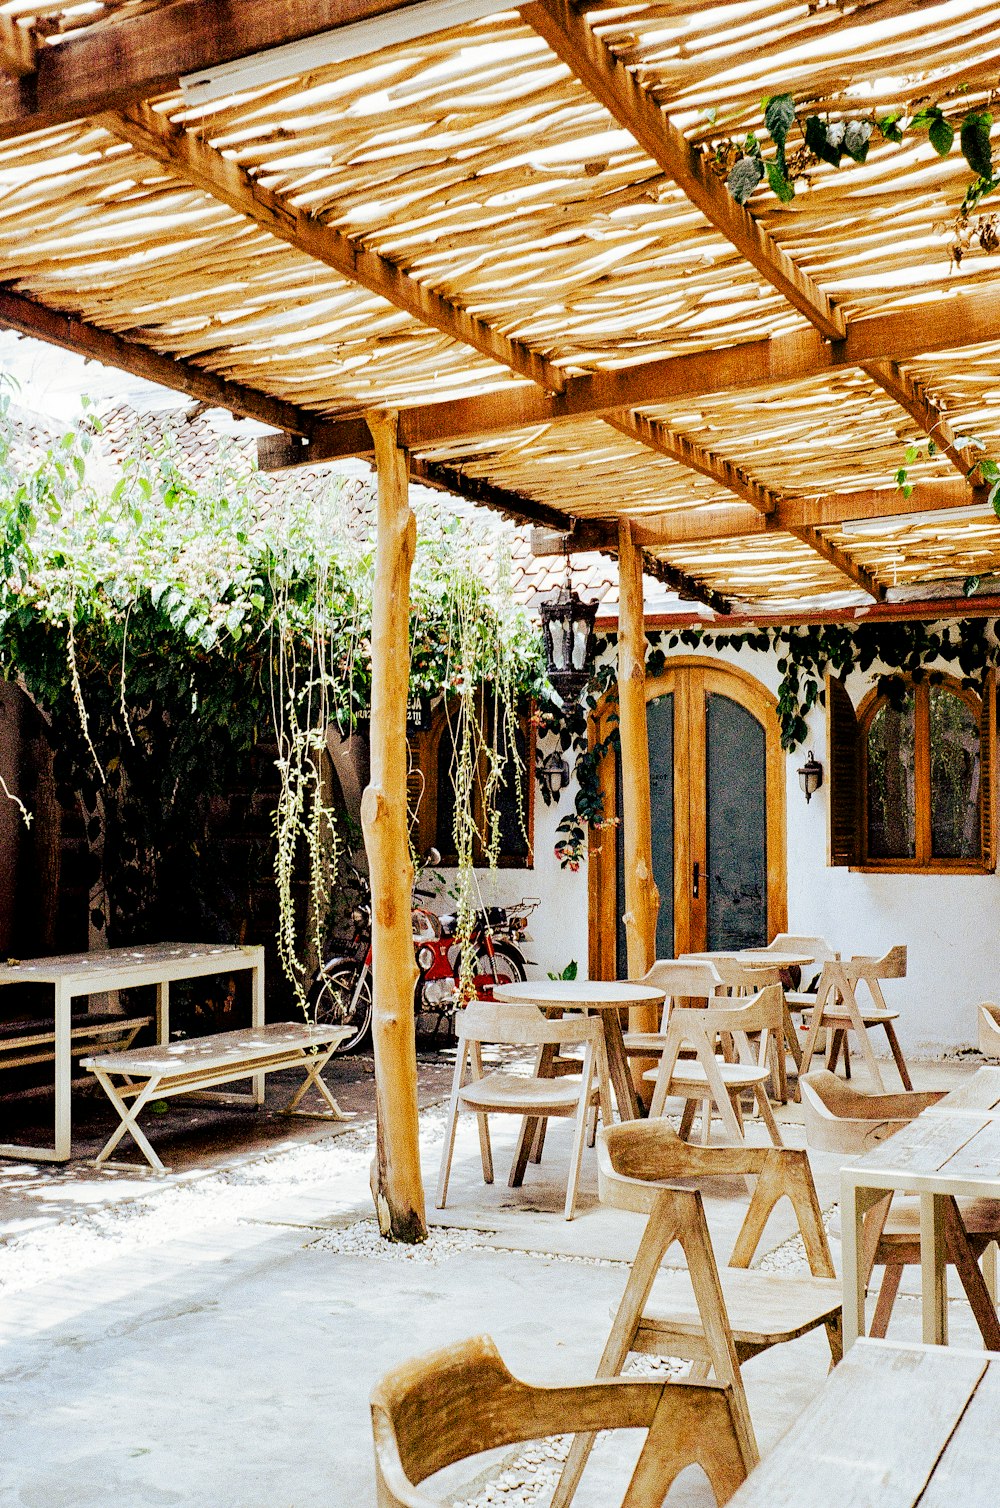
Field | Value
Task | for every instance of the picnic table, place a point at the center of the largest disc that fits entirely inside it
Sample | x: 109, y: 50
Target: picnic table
x: 950, y: 1151
x: 894, y: 1426
x: 76, y: 975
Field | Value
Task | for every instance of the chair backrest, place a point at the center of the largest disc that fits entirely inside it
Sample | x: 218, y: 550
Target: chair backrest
x: 840, y: 1118
x: 681, y: 979
x: 637, y: 1160
x: 439, y: 1409
x: 891, y: 965
x: 791, y: 942
x: 989, y: 1030
x: 522, y: 1025
x: 762, y: 1012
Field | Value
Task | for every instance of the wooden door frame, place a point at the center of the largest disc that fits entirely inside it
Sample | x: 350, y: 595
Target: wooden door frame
x: 741, y: 687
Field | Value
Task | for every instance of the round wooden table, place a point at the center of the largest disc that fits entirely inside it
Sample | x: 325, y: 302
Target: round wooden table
x: 756, y: 958
x: 605, y: 995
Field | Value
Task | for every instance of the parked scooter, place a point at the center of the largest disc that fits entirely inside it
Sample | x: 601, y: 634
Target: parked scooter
x: 341, y: 989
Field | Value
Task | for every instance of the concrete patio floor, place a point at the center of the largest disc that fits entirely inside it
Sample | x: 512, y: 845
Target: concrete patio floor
x: 212, y: 1337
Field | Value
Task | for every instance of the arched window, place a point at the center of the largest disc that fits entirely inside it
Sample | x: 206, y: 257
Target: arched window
x: 912, y: 775
x: 432, y: 792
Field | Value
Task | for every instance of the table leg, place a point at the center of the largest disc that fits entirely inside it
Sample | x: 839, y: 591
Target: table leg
x: 530, y: 1123
x: 163, y: 1012
x: 63, y: 1071
x: 855, y: 1202
x: 257, y: 1014
x: 629, y: 1108
x: 977, y: 1291
x: 933, y: 1270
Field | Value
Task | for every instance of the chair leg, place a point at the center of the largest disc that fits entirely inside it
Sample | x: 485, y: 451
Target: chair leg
x: 580, y: 1134
x: 988, y: 1263
x: 767, y: 1115
x: 705, y: 1109
x: 897, y: 1053
x: 886, y: 1299
x: 485, y: 1147
x: 592, y: 1126
x: 447, y: 1151
x: 687, y: 1119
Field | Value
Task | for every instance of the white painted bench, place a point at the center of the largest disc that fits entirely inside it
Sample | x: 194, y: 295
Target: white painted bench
x: 131, y: 1079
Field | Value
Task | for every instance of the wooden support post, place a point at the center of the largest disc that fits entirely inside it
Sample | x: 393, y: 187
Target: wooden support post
x: 642, y: 899
x: 396, y: 1183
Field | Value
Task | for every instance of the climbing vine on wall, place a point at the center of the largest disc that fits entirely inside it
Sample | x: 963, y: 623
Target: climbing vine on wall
x: 805, y: 654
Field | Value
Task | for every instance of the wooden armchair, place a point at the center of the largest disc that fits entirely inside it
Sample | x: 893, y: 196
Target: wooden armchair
x: 708, y: 1079
x: 685, y: 980
x: 745, y: 979
x: 840, y: 1118
x: 439, y: 1409
x: 989, y: 1030
x: 839, y: 1011
x: 536, y: 1098
x: 719, y: 1317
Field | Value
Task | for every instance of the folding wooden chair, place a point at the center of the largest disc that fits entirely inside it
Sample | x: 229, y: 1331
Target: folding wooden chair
x: 839, y: 1012
x: 840, y: 1118
x: 535, y: 1098
x: 708, y: 1079
x: 748, y: 979
x: 440, y: 1409
x: 717, y: 1317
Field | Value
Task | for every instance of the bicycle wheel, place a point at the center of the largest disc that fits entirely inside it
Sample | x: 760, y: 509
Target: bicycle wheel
x: 336, y: 1000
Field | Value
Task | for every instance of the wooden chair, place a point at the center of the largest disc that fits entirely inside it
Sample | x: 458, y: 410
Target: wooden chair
x: 839, y: 1118
x: 535, y: 1098
x: 744, y: 979
x: 989, y: 1030
x: 719, y: 1317
x: 679, y: 980
x: 440, y: 1409
x: 710, y: 1081
x: 839, y: 1011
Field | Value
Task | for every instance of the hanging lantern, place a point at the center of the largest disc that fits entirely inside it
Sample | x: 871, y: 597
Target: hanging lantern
x: 811, y: 776
x: 568, y: 628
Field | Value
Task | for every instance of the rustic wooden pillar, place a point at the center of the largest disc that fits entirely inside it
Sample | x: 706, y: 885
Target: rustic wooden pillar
x: 642, y: 899
x: 396, y: 1183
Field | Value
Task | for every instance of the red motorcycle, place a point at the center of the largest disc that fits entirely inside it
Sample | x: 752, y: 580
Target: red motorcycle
x: 341, y: 989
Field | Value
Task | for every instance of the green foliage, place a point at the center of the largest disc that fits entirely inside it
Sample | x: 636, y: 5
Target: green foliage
x: 166, y: 629
x: 569, y: 972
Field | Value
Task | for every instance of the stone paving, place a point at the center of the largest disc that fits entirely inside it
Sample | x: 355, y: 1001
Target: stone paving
x: 211, y: 1338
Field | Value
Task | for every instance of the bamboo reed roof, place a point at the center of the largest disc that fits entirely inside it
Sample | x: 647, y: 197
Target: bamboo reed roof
x: 513, y: 233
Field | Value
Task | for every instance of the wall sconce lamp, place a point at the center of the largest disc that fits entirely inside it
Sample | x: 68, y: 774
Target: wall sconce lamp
x: 553, y: 772
x: 811, y: 776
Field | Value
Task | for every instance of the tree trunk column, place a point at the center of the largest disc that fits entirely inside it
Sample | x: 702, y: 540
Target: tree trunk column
x: 396, y: 1183
x: 642, y: 899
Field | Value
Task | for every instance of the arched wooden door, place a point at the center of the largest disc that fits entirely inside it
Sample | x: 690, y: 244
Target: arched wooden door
x: 717, y: 778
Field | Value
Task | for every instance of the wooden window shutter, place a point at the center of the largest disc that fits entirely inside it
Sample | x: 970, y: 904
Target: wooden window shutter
x: 844, y: 766
x: 987, y: 772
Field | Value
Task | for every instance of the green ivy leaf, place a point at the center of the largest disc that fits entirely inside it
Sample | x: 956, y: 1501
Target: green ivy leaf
x: 975, y: 139
x: 889, y: 127
x: 941, y: 134
x: 857, y: 135
x: 779, y: 117
x: 912, y: 452
x: 744, y: 177
x: 932, y: 449
x: 817, y: 135
x: 780, y: 183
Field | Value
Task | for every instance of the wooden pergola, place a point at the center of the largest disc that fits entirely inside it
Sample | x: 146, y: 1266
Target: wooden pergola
x: 502, y: 259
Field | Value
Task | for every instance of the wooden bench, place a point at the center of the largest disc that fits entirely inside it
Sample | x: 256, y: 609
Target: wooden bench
x: 23, y: 1043
x: 131, y: 1079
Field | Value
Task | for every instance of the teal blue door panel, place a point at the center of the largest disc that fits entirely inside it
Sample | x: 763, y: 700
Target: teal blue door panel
x: 736, y: 821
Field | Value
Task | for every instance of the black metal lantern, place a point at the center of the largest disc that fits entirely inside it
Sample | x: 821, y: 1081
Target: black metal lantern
x: 553, y: 772
x: 811, y: 776
x: 568, y: 627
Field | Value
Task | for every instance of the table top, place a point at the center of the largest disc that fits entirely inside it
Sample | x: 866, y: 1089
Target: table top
x: 218, y: 1050
x: 893, y: 1425
x: 595, y: 994
x: 755, y: 958
x: 156, y: 958
x: 952, y: 1147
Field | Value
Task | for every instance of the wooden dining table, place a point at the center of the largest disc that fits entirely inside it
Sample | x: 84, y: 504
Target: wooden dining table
x: 609, y: 997
x: 950, y: 1151
x: 893, y: 1426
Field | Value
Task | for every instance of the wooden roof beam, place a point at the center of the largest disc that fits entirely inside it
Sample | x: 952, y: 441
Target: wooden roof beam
x: 927, y: 413
x: 190, y: 157
x: 956, y: 320
x: 839, y: 559
x: 571, y: 38
x: 28, y: 317
x: 138, y: 56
